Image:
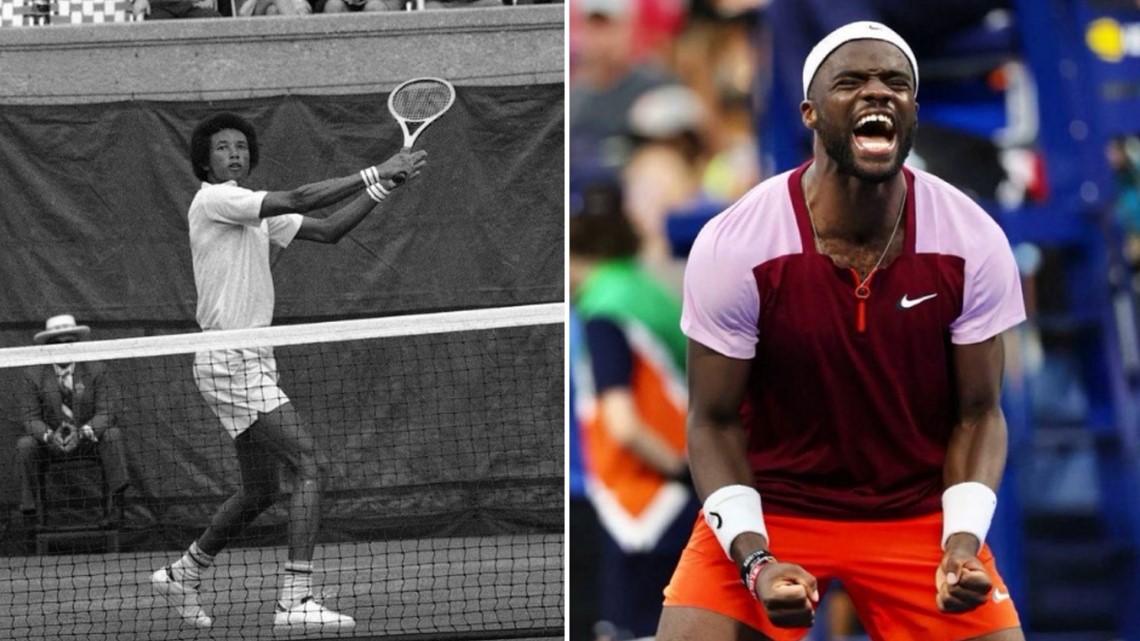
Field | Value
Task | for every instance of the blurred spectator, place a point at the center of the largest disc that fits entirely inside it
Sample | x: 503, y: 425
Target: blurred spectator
x: 663, y: 175
x: 633, y: 419
x: 606, y: 79
x: 717, y: 59
x: 664, y: 170
x: 1126, y: 207
x: 685, y: 147
x: 341, y: 6
x: 275, y: 8
x: 583, y: 554
x: 467, y: 4
x: 173, y: 9
x: 656, y: 24
x: 345, y: 6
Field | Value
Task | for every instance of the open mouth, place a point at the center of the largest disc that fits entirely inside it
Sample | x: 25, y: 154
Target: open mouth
x: 234, y: 166
x: 875, y: 135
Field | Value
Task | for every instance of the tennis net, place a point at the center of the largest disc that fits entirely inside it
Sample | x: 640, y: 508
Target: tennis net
x: 439, y: 439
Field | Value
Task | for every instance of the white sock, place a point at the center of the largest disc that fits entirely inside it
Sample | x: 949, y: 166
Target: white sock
x: 296, y: 584
x: 189, y: 568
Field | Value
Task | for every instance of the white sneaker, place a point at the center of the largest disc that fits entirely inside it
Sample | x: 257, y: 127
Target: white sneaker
x: 182, y: 597
x: 310, y: 614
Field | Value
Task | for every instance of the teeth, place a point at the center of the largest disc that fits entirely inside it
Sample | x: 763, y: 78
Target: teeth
x: 875, y: 118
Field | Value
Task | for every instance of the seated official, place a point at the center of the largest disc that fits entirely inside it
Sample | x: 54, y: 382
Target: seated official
x: 66, y: 412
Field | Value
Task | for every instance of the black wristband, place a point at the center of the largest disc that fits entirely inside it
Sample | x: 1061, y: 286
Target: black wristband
x: 684, y: 477
x: 758, y: 557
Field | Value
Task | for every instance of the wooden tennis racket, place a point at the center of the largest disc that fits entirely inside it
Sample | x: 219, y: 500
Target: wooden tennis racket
x: 418, y: 103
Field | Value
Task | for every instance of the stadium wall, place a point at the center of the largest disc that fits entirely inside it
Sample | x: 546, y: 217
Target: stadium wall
x: 279, y: 55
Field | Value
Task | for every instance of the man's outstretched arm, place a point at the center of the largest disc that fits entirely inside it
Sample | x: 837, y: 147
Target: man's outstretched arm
x: 335, y: 226
x: 313, y: 196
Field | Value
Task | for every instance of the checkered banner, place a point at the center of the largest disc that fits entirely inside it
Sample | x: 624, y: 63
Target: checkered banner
x: 23, y: 13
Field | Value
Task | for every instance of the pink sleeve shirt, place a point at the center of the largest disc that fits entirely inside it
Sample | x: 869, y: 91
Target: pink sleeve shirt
x: 849, y: 406
x: 721, y: 301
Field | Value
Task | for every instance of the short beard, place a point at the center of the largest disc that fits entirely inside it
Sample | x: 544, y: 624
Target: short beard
x: 838, y: 146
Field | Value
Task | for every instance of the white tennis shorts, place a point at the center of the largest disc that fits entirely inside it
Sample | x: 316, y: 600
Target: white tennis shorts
x: 239, y: 384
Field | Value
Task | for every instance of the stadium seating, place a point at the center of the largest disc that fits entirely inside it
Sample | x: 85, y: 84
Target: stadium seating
x: 25, y: 13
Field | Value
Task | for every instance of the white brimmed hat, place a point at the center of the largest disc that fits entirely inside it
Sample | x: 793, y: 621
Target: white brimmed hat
x: 62, y: 325
x: 666, y: 111
x: 864, y: 30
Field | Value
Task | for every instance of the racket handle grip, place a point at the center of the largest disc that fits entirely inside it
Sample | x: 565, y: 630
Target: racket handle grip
x: 399, y: 178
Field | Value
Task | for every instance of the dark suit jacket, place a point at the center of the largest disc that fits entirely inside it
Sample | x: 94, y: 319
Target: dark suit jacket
x: 41, y: 399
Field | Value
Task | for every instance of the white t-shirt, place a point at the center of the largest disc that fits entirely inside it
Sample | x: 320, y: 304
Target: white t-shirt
x: 229, y: 242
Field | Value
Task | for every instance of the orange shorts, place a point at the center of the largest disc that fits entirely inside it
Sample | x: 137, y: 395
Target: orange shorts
x: 887, y: 568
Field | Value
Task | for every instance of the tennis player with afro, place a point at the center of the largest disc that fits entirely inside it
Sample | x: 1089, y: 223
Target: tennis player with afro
x: 845, y: 364
x: 231, y: 230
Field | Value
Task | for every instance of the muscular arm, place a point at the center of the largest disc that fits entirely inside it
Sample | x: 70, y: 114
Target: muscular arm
x: 976, y: 453
x: 978, y: 444
x: 332, y: 228
x: 311, y: 197
x: 716, y: 440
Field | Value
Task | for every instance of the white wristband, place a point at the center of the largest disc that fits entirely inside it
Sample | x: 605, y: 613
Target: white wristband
x: 377, y: 192
x: 370, y: 176
x: 733, y: 510
x: 967, y: 507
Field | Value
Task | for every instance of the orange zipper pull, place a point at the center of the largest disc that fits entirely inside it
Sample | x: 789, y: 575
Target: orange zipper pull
x: 862, y: 292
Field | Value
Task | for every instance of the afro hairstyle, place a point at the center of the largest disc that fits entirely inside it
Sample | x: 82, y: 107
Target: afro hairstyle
x: 200, y: 140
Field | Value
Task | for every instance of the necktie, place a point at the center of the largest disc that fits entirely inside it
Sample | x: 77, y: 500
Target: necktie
x: 66, y: 388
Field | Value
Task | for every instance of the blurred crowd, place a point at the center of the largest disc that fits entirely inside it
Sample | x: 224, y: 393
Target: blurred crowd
x: 47, y: 12
x: 172, y: 9
x: 660, y: 120
x: 661, y: 103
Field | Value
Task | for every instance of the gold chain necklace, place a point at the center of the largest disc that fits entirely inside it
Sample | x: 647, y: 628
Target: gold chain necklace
x: 863, y: 287
x: 886, y: 250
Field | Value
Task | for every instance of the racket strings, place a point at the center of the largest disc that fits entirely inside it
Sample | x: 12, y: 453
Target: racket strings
x: 421, y: 100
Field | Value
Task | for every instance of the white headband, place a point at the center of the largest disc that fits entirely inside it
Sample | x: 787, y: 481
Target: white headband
x: 855, y: 31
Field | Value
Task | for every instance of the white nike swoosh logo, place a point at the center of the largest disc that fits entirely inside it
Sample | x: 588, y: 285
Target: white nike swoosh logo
x: 1000, y: 596
x: 907, y: 303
